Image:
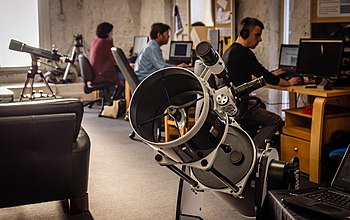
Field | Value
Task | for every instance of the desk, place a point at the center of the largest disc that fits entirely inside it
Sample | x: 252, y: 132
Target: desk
x: 316, y: 132
x: 127, y: 94
x: 273, y: 208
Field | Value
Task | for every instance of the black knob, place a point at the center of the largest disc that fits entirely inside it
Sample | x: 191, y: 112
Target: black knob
x: 236, y: 157
x: 158, y: 157
x: 204, y: 163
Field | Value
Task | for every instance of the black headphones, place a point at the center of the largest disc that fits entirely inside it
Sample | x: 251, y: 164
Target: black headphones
x: 245, y: 31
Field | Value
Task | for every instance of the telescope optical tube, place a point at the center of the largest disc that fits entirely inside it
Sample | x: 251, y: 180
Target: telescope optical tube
x: 22, y: 47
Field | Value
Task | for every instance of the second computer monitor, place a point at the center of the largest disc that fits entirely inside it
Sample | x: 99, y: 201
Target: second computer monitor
x: 180, y: 52
x: 139, y: 43
x: 288, y: 55
x: 320, y: 58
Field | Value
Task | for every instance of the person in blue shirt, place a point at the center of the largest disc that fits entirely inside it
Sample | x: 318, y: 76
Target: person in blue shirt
x: 151, y: 58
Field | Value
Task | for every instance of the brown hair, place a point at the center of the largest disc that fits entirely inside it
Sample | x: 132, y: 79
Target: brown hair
x: 158, y: 28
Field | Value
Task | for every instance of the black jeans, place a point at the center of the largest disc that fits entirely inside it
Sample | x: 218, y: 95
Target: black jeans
x: 269, y: 123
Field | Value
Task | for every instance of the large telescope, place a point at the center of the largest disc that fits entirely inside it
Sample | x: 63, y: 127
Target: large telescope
x: 22, y: 47
x: 218, y: 154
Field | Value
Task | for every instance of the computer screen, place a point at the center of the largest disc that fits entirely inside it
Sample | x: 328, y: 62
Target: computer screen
x: 320, y: 58
x: 180, y: 49
x: 139, y: 43
x: 288, y: 55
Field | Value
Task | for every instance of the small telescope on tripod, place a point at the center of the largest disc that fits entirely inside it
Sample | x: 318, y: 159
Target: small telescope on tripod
x: 35, y: 54
x: 22, y: 47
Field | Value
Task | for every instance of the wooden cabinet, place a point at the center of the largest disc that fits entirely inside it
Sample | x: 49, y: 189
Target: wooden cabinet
x: 300, y: 128
x: 293, y: 146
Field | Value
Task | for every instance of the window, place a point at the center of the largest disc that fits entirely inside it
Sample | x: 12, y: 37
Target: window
x: 19, y: 21
x: 286, y: 21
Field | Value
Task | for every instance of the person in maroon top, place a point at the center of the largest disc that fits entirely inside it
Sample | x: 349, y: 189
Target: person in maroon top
x: 101, y: 57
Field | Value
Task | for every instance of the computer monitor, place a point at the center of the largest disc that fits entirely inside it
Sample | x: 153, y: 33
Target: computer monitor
x: 180, y: 52
x: 288, y: 56
x: 320, y: 58
x: 139, y: 43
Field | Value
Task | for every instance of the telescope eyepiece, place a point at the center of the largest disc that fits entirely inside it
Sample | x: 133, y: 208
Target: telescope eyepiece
x: 248, y: 87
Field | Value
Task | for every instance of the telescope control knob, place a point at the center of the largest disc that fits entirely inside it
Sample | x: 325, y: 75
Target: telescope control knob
x: 222, y: 99
x: 236, y: 157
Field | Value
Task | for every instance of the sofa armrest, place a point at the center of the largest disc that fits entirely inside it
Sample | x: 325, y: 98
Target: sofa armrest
x: 80, y: 165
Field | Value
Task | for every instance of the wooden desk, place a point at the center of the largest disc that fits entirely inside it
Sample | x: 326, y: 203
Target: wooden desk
x: 127, y: 94
x: 127, y: 89
x: 311, y: 131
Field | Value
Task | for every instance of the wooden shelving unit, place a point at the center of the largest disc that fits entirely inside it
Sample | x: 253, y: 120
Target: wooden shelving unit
x: 297, y: 132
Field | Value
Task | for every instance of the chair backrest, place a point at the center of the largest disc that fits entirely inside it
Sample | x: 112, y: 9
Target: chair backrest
x: 85, y: 68
x: 124, y: 66
x: 40, y: 151
x: 44, y: 107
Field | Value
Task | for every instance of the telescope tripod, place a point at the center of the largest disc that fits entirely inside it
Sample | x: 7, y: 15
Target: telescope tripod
x: 30, y: 79
x: 75, y: 53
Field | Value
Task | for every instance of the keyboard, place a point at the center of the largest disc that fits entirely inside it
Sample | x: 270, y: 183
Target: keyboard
x: 332, y: 198
x: 178, y: 61
x: 288, y: 74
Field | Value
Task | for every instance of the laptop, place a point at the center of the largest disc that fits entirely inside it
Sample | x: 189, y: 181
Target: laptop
x: 331, y: 202
x: 288, y: 60
x: 180, y: 52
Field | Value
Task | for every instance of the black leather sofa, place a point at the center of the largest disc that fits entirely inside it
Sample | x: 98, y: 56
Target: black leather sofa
x: 44, y: 153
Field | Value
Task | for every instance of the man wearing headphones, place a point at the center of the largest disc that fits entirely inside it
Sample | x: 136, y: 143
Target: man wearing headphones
x: 242, y: 65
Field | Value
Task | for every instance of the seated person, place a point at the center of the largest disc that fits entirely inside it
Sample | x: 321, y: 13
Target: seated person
x: 242, y: 64
x: 131, y: 57
x: 151, y: 58
x: 101, y: 57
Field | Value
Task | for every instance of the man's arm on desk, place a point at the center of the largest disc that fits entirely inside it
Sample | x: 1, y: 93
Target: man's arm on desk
x: 291, y: 82
x: 185, y: 65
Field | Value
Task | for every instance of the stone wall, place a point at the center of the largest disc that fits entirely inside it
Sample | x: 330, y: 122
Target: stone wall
x: 129, y: 18
x: 134, y: 17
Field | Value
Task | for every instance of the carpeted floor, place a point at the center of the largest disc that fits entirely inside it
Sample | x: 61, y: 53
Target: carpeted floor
x: 124, y: 181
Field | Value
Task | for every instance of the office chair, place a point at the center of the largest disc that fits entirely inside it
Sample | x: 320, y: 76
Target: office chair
x: 127, y: 72
x: 170, y: 129
x: 88, y: 75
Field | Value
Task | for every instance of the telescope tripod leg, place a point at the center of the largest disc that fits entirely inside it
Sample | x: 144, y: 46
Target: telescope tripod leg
x: 72, y: 58
x: 47, y: 85
x: 24, y: 89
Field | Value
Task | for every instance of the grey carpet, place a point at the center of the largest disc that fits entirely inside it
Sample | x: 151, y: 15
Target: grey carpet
x: 124, y: 181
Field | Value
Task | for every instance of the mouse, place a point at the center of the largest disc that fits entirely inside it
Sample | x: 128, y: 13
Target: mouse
x: 327, y: 87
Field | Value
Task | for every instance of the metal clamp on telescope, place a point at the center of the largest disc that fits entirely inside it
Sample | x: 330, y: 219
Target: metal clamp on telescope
x: 35, y: 54
x: 219, y: 154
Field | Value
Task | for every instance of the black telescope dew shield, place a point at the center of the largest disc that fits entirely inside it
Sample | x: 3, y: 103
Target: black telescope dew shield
x: 211, y: 59
x: 206, y: 53
x: 21, y: 47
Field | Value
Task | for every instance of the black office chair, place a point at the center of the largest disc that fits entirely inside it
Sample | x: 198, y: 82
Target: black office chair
x: 127, y: 72
x: 88, y: 75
